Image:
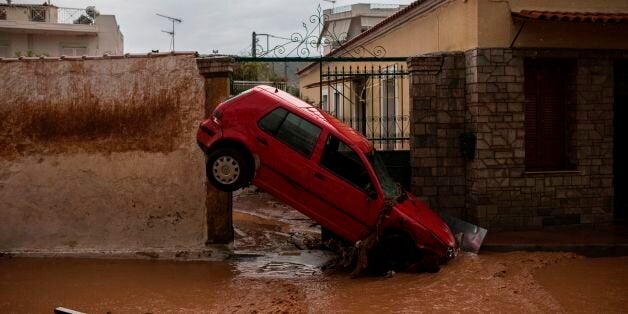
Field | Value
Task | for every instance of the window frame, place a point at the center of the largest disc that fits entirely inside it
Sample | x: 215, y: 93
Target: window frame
x: 362, y: 163
x: 281, y: 123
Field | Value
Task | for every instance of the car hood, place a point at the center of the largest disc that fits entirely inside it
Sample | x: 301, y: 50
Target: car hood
x: 418, y: 211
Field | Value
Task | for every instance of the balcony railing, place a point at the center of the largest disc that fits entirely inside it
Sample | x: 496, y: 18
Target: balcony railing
x: 76, y: 16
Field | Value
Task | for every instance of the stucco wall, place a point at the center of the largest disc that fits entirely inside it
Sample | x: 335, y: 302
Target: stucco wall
x: 99, y: 155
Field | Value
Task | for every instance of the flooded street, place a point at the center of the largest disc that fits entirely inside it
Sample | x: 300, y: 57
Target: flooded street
x: 269, y: 273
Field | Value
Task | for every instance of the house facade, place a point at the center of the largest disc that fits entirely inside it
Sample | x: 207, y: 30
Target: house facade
x: 516, y: 107
x: 48, y: 30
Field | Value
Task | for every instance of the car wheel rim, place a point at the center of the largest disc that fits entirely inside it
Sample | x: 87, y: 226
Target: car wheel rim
x: 226, y: 170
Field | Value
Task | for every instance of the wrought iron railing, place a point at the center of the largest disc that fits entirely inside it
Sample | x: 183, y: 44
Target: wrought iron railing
x: 374, y: 100
x: 76, y: 16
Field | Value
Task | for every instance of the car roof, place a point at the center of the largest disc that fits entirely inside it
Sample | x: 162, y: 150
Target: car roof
x: 313, y: 112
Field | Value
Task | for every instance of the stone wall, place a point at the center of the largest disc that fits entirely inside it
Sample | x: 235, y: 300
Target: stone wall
x: 499, y: 192
x: 502, y: 193
x: 438, y: 119
x: 100, y: 155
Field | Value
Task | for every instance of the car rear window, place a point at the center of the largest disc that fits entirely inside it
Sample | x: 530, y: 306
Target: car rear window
x: 292, y: 130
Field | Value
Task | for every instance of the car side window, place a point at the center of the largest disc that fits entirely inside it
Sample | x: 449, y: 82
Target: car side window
x: 271, y: 122
x: 294, y: 131
x: 340, y: 159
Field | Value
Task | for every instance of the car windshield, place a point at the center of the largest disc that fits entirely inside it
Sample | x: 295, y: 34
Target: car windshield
x: 391, y: 188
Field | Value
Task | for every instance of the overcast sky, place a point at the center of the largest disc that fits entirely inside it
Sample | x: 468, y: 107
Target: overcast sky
x: 223, y: 25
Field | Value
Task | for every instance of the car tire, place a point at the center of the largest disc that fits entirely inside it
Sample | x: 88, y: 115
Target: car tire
x: 228, y: 169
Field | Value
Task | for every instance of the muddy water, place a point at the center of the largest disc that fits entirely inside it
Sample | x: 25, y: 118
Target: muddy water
x: 589, y: 285
x: 507, y: 282
x: 270, y: 274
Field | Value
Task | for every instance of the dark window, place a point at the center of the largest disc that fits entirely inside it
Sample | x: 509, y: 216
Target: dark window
x: 340, y: 159
x: 3, y: 13
x: 294, y: 131
x: 271, y: 122
x: 547, y: 82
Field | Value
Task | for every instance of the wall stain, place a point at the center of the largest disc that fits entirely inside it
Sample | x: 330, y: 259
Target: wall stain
x: 145, y: 108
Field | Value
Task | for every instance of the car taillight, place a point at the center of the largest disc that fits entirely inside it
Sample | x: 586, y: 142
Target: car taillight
x: 217, y: 115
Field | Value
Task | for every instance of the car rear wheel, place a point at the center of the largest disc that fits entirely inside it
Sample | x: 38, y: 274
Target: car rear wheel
x: 227, y: 169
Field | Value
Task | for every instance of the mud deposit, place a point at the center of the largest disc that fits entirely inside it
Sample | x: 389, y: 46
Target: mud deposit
x: 269, y: 273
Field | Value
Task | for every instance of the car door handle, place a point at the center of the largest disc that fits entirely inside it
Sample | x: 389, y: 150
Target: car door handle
x: 318, y: 176
x: 261, y: 140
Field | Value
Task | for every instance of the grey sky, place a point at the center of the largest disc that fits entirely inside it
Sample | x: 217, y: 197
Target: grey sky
x: 224, y: 25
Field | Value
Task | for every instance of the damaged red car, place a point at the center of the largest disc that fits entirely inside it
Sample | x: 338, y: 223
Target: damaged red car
x: 321, y: 167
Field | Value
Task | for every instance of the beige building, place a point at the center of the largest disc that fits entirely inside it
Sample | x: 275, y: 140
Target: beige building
x: 517, y: 108
x: 48, y: 30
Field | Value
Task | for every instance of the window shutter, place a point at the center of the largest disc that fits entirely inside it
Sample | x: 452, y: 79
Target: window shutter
x: 530, y: 104
x: 545, y: 113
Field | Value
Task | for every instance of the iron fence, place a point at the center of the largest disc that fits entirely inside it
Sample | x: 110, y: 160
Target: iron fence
x: 373, y: 100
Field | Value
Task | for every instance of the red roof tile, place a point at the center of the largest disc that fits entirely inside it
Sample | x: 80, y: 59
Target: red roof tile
x: 580, y: 17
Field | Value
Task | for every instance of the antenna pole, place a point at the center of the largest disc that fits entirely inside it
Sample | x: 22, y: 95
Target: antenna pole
x: 172, y: 33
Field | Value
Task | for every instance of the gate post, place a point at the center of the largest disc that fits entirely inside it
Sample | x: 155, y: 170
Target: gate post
x: 217, y: 72
x: 437, y: 93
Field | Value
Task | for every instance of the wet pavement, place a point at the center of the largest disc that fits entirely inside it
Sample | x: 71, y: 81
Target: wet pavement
x: 271, y: 272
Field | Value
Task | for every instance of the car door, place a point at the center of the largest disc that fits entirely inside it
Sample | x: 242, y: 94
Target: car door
x: 343, y: 179
x: 285, y: 145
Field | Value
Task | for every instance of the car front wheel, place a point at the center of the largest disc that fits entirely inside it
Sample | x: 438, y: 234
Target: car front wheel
x: 227, y: 169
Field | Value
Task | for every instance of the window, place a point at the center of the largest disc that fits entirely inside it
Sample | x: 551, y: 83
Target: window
x: 340, y: 159
x: 38, y: 14
x: 292, y: 130
x: 3, y: 13
x: 337, y: 104
x: 74, y: 51
x: 4, y: 51
x: 388, y: 98
x: 547, y: 82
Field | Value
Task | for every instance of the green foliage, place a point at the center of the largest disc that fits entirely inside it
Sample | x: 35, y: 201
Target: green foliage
x: 30, y: 53
x: 255, y: 71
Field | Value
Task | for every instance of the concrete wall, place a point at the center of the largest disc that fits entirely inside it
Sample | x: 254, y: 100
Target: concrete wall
x: 100, y: 155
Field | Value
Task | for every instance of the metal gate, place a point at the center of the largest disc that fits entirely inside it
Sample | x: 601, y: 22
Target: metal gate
x: 371, y: 99
x: 361, y: 87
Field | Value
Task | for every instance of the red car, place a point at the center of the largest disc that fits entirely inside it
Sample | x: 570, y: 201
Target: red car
x: 321, y: 167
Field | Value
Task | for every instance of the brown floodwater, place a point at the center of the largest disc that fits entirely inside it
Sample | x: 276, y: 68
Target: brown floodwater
x: 294, y: 282
x: 271, y: 274
x: 588, y: 285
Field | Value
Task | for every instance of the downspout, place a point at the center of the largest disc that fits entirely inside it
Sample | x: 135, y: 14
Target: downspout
x: 517, y: 35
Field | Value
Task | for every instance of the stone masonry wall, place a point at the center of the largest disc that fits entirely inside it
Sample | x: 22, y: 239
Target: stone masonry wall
x: 438, y: 119
x: 501, y: 193
x: 100, y: 155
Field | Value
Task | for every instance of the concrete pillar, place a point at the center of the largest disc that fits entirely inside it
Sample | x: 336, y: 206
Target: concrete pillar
x: 437, y: 92
x: 217, y: 72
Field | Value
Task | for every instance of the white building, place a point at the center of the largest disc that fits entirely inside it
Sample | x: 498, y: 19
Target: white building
x: 345, y: 22
x: 48, y: 30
